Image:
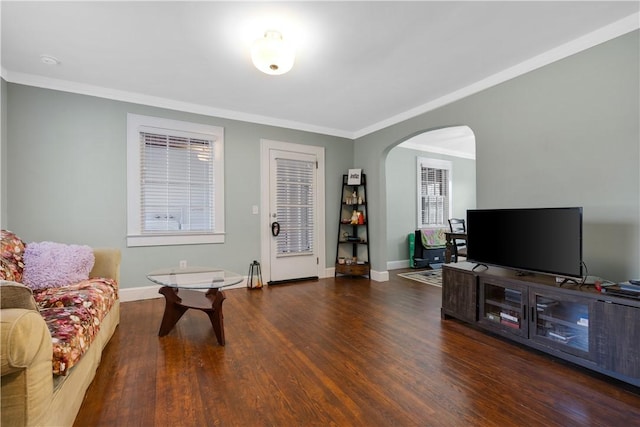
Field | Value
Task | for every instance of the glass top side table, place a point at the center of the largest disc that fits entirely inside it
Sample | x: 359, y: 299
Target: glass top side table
x: 183, y: 290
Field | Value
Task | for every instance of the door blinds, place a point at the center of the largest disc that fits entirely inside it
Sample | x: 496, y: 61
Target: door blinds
x: 295, y: 206
x: 177, y: 183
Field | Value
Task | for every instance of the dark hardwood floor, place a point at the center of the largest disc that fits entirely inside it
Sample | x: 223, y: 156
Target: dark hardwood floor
x: 338, y: 352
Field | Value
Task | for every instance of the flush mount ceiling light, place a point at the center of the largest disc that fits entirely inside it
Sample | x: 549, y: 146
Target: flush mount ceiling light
x: 271, y: 54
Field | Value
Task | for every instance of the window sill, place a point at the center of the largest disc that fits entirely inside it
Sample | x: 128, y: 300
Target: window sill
x: 174, y: 239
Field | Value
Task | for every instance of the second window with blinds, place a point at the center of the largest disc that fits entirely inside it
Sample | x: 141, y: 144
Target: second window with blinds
x: 434, y: 192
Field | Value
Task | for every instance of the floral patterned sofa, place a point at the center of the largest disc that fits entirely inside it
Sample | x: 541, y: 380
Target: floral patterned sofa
x: 52, y: 337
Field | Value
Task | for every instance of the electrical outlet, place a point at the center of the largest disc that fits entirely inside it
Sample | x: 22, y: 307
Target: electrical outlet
x: 183, y: 263
x: 254, y: 209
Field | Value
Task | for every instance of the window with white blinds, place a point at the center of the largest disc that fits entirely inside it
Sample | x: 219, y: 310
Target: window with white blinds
x: 434, y: 192
x: 175, y: 182
x: 295, y: 206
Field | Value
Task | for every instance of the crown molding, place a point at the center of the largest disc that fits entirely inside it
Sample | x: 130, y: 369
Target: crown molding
x: 604, y: 34
x: 171, y: 104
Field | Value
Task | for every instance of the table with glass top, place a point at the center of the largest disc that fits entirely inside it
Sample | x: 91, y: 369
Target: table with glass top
x: 199, y: 288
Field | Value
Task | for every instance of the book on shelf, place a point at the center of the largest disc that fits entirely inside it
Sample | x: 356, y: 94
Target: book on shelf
x: 583, y: 321
x: 630, y: 287
x: 513, y: 295
x: 560, y: 337
x: 543, y: 305
x: 509, y: 317
x: 494, y: 317
x: 510, y: 324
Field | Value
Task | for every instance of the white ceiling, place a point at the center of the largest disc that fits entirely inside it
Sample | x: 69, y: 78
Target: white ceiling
x: 360, y: 66
x: 457, y: 141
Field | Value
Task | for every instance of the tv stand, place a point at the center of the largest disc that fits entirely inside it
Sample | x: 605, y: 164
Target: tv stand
x: 521, y: 273
x: 575, y: 323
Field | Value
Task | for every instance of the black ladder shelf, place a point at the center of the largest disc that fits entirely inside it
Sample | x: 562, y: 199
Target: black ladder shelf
x: 352, y: 251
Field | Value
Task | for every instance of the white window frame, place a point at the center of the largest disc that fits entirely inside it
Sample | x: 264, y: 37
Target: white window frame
x: 434, y: 164
x: 135, y: 236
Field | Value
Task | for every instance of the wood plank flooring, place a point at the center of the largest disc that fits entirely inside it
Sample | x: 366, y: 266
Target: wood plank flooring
x: 338, y: 352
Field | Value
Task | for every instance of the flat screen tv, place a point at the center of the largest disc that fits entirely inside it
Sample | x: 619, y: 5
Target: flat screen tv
x: 533, y: 240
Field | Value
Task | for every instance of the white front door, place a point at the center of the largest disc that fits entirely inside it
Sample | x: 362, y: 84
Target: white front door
x: 294, y: 220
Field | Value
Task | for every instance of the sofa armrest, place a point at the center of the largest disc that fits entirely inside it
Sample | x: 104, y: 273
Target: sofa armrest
x: 107, y: 263
x: 25, y: 338
x: 16, y: 295
x: 25, y: 364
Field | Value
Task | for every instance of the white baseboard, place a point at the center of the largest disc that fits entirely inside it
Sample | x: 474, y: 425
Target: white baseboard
x: 150, y: 292
x: 378, y: 276
x: 141, y: 293
x: 396, y: 265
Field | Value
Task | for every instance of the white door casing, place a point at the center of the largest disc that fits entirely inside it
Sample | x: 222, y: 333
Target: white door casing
x: 307, y: 259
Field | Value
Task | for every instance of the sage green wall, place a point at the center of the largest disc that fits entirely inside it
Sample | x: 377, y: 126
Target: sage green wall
x: 402, y: 207
x: 3, y: 154
x: 67, y: 178
x: 566, y: 134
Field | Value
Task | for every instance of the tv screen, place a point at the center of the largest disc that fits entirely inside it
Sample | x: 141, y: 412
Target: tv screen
x: 545, y: 240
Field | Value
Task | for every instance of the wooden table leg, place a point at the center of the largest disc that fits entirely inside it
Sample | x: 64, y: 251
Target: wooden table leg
x: 215, y: 315
x: 173, y: 311
x: 209, y: 302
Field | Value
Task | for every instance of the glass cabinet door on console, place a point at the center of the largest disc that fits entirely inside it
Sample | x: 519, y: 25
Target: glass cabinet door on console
x: 561, y: 321
x: 503, y: 306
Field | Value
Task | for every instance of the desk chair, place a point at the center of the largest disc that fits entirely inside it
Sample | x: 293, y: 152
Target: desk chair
x: 457, y: 225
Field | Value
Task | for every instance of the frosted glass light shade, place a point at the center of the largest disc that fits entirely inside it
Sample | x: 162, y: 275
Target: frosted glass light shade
x: 272, y: 55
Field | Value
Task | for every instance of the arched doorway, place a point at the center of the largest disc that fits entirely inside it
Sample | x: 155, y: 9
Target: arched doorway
x: 453, y: 146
